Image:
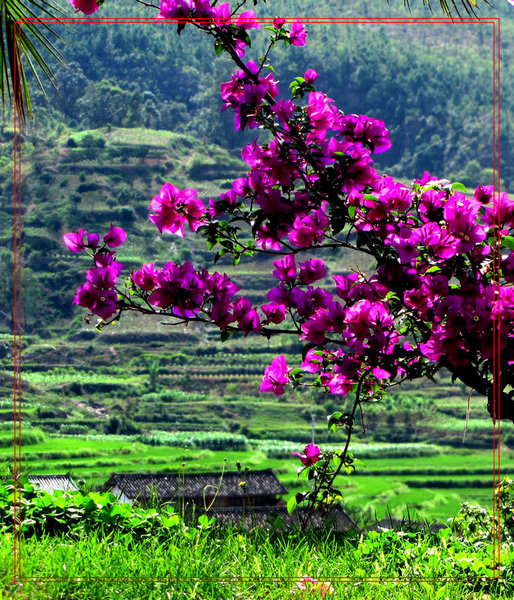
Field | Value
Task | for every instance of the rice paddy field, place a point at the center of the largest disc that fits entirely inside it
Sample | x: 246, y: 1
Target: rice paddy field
x: 422, y: 479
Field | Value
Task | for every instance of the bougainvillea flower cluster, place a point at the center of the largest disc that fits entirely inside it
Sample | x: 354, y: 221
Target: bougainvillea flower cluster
x: 439, y: 295
x: 98, y: 293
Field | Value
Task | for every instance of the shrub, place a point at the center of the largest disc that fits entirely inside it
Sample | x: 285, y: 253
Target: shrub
x: 75, y: 513
x: 28, y: 437
x: 73, y: 429
x: 127, y: 215
x: 477, y: 524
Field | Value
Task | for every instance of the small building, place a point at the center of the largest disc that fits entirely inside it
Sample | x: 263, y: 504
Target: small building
x: 247, y: 499
x: 50, y: 483
x: 230, y: 489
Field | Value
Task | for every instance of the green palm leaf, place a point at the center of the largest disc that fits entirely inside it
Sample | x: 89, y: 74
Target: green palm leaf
x: 23, y: 35
x: 454, y: 7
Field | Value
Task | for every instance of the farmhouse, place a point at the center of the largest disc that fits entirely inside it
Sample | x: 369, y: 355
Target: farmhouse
x: 247, y: 498
x: 230, y: 489
x: 50, y: 483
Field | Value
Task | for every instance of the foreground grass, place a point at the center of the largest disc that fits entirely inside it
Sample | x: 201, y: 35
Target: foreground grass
x: 268, y: 565
x: 88, y: 546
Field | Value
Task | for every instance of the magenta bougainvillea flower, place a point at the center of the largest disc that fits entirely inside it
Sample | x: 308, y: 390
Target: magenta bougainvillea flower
x: 88, y: 7
x: 298, y: 34
x: 114, y: 237
x: 75, y: 241
x: 284, y: 109
x: 145, y: 278
x: 274, y: 313
x: 312, y: 270
x: 247, y: 20
x: 285, y: 268
x: 310, y: 76
x: 310, y: 455
x: 174, y: 207
x: 370, y: 132
x: 176, y: 9
x: 100, y: 302
x: 275, y: 376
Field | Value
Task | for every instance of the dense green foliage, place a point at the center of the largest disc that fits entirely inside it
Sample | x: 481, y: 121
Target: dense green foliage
x: 74, y: 514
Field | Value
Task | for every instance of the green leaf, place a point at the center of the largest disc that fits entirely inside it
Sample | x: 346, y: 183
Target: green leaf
x: 291, y: 504
x: 218, y: 255
x: 391, y: 296
x: 507, y: 242
x: 22, y: 33
x: 428, y: 588
x: 333, y: 416
x: 448, y: 6
x: 224, y: 336
x: 351, y: 211
x: 459, y: 187
x: 295, y: 374
x: 203, y: 520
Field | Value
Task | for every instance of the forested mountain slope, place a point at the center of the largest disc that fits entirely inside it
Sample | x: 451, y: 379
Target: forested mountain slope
x: 430, y: 82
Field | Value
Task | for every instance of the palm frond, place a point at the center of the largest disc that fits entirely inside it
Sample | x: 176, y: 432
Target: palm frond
x: 454, y: 7
x: 23, y: 35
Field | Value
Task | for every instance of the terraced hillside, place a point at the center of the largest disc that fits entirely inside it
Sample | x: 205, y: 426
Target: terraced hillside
x: 138, y: 377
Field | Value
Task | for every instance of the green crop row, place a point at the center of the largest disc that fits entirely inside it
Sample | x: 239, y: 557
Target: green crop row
x: 58, y: 376
x: 279, y: 448
x: 28, y: 437
x: 198, y: 439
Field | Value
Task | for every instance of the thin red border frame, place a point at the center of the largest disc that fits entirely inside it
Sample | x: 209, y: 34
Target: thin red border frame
x: 495, y: 21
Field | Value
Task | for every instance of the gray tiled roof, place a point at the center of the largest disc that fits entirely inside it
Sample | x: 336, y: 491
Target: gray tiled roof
x: 192, y: 485
x: 264, y: 516
x: 50, y: 483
